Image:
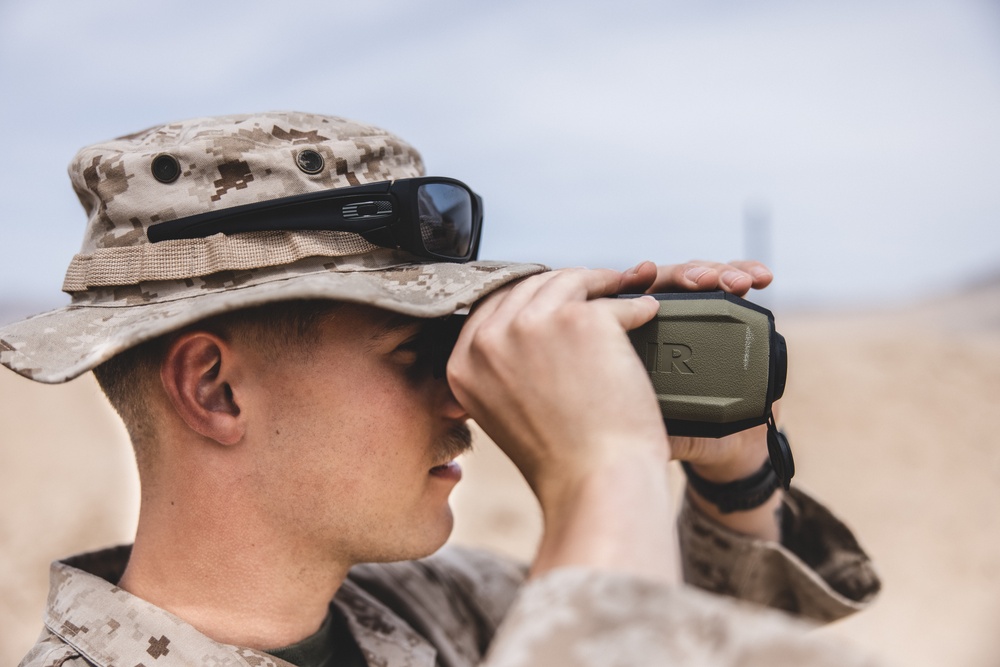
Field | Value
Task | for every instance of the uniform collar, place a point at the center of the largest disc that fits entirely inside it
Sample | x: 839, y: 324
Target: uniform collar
x: 110, y: 626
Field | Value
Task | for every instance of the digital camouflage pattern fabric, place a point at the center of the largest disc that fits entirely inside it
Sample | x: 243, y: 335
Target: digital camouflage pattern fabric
x: 221, y: 162
x: 61, y: 344
x: 126, y: 290
x: 463, y: 607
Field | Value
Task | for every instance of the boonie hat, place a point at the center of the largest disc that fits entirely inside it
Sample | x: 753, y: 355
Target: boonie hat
x: 126, y: 290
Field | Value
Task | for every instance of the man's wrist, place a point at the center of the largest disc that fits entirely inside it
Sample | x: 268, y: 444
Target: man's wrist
x: 746, y: 493
x: 739, y: 467
x: 616, y: 518
x: 559, y: 485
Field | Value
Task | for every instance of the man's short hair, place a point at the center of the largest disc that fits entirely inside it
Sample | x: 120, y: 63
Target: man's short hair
x: 278, y: 330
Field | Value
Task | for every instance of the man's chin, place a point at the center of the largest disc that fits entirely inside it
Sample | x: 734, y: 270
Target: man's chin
x: 433, y: 535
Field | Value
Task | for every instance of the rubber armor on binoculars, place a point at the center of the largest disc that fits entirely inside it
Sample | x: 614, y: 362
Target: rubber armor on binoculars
x: 715, y: 361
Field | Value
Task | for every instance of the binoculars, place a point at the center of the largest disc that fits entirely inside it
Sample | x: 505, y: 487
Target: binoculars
x: 714, y: 359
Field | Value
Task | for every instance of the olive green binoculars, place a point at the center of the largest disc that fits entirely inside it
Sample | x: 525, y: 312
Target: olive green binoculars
x: 715, y: 361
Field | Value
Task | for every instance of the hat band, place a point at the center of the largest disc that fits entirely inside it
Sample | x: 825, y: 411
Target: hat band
x: 191, y: 258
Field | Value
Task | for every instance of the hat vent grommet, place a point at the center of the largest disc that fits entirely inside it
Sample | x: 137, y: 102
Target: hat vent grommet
x: 310, y: 161
x: 165, y: 168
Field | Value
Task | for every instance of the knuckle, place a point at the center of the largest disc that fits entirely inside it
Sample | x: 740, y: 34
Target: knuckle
x: 455, y: 375
x: 488, y: 340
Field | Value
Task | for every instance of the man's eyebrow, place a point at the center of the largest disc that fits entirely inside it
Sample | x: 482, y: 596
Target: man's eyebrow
x: 392, y: 325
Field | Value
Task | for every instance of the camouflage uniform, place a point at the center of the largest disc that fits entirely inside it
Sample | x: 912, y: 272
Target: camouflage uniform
x: 457, y: 607
x: 462, y: 607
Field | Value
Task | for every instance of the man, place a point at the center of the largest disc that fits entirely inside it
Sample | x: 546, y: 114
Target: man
x: 268, y: 341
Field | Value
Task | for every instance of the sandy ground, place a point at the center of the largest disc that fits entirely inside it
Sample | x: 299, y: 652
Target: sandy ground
x: 891, y: 415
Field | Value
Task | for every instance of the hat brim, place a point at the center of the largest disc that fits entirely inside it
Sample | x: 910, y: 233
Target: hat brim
x: 62, y: 344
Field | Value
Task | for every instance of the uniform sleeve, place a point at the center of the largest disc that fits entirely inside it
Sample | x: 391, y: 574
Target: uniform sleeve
x: 590, y: 618
x: 818, y: 571
x: 471, y: 603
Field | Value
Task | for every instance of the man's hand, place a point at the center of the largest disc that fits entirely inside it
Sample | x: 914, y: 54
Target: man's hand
x: 737, y: 277
x: 546, y: 369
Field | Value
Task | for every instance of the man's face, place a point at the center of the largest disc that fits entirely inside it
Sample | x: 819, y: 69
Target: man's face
x: 354, y: 439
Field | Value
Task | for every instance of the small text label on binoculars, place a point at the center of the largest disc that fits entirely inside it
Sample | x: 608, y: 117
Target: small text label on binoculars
x: 668, y: 358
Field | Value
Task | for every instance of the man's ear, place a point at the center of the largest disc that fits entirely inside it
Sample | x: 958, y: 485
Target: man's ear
x: 196, y: 374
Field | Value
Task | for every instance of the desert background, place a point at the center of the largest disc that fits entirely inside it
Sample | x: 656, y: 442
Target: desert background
x: 891, y: 414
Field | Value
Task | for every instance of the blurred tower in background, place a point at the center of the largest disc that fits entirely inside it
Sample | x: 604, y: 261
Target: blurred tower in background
x: 757, y: 243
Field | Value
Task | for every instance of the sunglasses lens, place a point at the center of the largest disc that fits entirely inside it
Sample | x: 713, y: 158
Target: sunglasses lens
x: 445, y: 219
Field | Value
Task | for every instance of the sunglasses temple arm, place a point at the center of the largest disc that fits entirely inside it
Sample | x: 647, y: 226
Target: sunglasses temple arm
x: 310, y: 216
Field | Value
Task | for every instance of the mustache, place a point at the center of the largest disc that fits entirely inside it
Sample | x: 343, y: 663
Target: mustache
x: 457, y: 440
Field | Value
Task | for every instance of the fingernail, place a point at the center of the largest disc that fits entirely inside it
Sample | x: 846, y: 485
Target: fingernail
x: 695, y: 272
x: 760, y: 272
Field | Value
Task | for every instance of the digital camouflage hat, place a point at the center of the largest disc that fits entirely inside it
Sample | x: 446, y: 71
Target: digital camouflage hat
x: 126, y: 290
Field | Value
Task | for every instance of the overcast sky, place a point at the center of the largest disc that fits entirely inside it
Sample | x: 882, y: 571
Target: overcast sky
x: 866, y: 133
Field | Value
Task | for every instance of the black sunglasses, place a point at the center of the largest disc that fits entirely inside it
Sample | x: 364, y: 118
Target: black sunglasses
x: 434, y: 217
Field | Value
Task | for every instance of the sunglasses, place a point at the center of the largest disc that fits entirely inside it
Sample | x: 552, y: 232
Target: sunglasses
x: 433, y: 217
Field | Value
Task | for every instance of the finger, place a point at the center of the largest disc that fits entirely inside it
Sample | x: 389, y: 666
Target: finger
x: 732, y: 277
x: 690, y: 276
x: 511, y: 298
x: 576, y: 285
x: 630, y: 313
x: 638, y: 279
x: 728, y: 278
x: 554, y: 289
x: 701, y: 275
x: 536, y: 292
x: 761, y: 275
x: 515, y: 293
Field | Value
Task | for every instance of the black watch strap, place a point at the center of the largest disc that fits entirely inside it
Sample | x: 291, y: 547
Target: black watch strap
x: 739, y: 495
